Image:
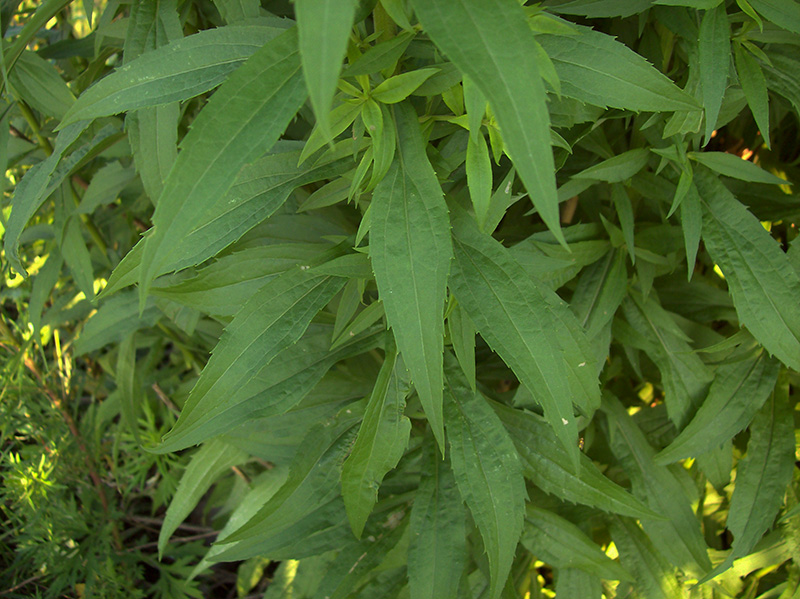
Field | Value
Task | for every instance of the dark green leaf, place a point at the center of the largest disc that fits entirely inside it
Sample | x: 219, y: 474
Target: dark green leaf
x: 244, y: 119
x: 763, y: 284
x: 488, y: 473
x: 490, y: 42
x: 410, y: 249
x: 528, y: 325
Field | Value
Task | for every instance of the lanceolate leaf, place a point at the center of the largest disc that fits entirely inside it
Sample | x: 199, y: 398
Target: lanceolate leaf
x: 684, y: 375
x: 546, y: 464
x: 655, y: 576
x: 760, y: 278
x: 738, y: 391
x: 274, y: 318
x: 595, y: 68
x: 731, y: 165
x: 153, y: 131
x: 381, y: 442
x: 528, y: 325
x: 561, y: 543
x: 679, y: 536
x: 490, y: 42
x: 487, y: 471
x: 178, y: 71
x: 437, y: 553
x: 324, y: 27
x: 207, y: 465
x: 715, y: 57
x: 410, y: 249
x: 763, y: 474
x: 754, y: 86
x: 784, y: 13
x: 313, y: 479
x: 241, y: 121
x: 31, y: 192
x: 617, y: 169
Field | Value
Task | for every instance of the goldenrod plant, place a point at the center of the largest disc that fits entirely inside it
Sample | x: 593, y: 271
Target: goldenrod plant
x: 425, y: 299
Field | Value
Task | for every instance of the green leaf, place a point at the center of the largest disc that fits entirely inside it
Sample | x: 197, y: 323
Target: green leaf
x: 617, y: 169
x: 678, y: 536
x: 546, y: 464
x: 312, y: 483
x: 437, y: 554
x: 528, y: 325
x: 125, y: 379
x: 32, y: 191
x: 490, y: 42
x: 760, y: 278
x: 105, y: 186
x: 561, y: 544
x: 731, y: 165
x: 380, y: 126
x: 244, y: 119
x: 381, y: 442
x: 479, y: 176
x: 462, y: 335
x: 238, y: 10
x: 153, y: 132
x: 572, y: 582
x: 273, y: 319
x: 784, y: 13
x: 259, y: 190
x: 622, y: 203
x: 211, y: 461
x: 380, y: 56
x: 398, y: 88
x: 683, y: 374
x: 600, y: 291
x: 655, y: 576
x: 602, y: 8
x: 178, y: 71
x: 225, y: 285
x: 715, y: 57
x: 410, y: 249
x: 263, y: 487
x: 692, y: 225
x: 754, y: 86
x: 739, y: 389
x: 324, y: 27
x: 37, y: 82
x: 113, y: 321
x: 763, y: 474
x: 597, y: 69
x: 488, y: 473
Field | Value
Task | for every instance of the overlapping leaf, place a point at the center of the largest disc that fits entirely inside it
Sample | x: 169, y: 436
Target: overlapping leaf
x: 410, y: 249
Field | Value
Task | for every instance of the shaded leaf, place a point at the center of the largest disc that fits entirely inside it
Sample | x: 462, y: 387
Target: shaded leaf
x: 273, y: 319
x: 437, y: 553
x: 715, y: 56
x: 488, y: 473
x: 546, y: 464
x: 738, y: 391
x: 211, y: 460
x: 381, y: 442
x: 561, y: 544
x: 760, y: 278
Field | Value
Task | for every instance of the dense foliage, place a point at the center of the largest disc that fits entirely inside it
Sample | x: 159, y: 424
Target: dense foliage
x: 458, y: 298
